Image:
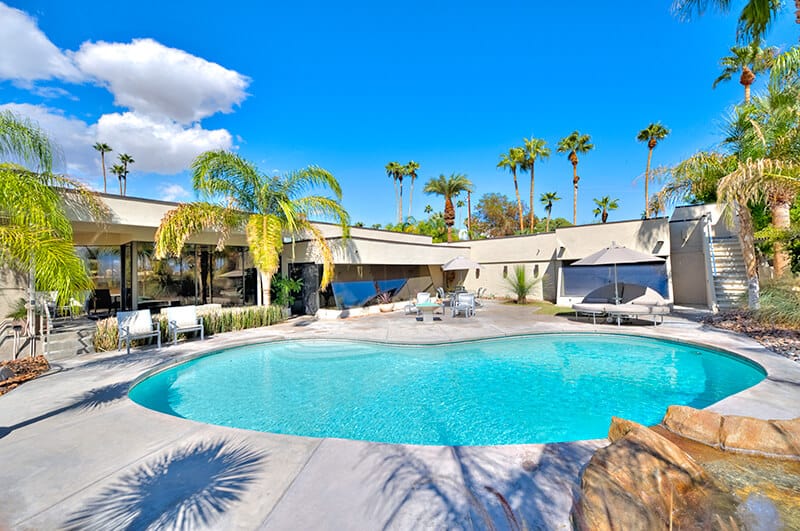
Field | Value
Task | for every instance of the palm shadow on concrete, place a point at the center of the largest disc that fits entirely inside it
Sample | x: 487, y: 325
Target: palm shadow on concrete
x: 487, y: 488
x: 184, y: 488
x: 95, y: 398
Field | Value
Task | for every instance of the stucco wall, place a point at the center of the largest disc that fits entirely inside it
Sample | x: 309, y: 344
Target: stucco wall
x: 688, y: 262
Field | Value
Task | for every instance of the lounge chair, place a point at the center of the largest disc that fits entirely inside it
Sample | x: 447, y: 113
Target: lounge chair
x: 633, y: 301
x: 183, y: 319
x: 137, y: 324
x: 463, y: 303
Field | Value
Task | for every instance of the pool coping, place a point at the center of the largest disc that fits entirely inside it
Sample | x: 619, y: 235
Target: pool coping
x: 310, y: 482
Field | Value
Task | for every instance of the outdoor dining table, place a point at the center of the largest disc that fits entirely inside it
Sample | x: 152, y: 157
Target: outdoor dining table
x: 427, y: 309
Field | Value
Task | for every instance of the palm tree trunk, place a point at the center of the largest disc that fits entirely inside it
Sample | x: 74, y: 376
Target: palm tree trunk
x: 411, y: 198
x: 547, y: 223
x: 469, y: 209
x: 747, y: 242
x: 400, y: 207
x: 780, y: 206
x: 266, y: 288
x: 103, y: 162
x: 120, y: 184
x: 646, y: 182
x: 519, y: 200
x: 532, y: 217
x: 575, y: 180
x: 397, y: 203
x: 747, y: 93
x: 604, y: 215
x: 449, y: 217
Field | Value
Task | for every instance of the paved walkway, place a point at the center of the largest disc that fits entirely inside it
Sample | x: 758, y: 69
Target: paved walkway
x: 75, y: 452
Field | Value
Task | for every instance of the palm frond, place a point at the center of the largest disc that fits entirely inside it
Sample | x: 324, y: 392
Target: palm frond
x: 24, y: 142
x: 327, y: 255
x: 222, y: 175
x: 179, y: 224
x: 265, y: 237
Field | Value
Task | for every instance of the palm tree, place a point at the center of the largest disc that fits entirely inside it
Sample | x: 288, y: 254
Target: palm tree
x: 395, y: 171
x: 512, y: 160
x: 533, y: 149
x: 119, y: 171
x: 573, y: 144
x: 547, y: 199
x: 35, y: 232
x: 652, y: 135
x: 448, y: 187
x: 749, y: 60
x: 125, y: 159
x: 604, y: 205
x: 410, y: 170
x: 238, y: 196
x: 755, y: 18
x: 103, y: 149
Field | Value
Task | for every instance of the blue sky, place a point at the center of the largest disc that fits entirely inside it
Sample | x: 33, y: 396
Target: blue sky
x: 353, y: 86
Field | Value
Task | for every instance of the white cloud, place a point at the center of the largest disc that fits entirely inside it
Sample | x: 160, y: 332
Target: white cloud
x: 159, y: 146
x: 75, y: 137
x: 172, y: 192
x: 154, y: 80
x: 162, y: 147
x: 26, y: 54
x: 52, y: 93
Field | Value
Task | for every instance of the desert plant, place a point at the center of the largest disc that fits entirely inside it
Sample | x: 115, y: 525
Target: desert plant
x: 18, y: 310
x: 520, y: 284
x: 779, y: 303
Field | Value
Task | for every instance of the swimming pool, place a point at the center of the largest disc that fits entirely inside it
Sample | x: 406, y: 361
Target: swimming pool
x: 527, y: 389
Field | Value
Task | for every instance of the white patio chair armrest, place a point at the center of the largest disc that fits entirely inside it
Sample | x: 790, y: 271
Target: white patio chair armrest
x: 126, y: 329
x: 158, y: 325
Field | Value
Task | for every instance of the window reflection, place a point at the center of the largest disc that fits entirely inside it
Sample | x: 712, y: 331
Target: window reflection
x: 580, y: 280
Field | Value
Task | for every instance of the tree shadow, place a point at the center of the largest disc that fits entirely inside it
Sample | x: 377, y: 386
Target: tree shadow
x: 489, y: 488
x: 93, y: 399
x: 184, y: 488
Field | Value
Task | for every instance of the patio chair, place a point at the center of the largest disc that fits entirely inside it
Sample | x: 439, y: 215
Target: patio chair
x: 137, y: 324
x: 182, y: 319
x: 464, y: 303
x: 101, y: 299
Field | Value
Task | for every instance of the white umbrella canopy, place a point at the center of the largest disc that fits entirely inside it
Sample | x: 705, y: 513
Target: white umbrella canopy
x: 617, y: 254
x: 459, y: 263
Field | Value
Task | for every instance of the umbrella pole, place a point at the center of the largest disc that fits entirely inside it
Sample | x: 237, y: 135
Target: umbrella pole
x: 616, y: 286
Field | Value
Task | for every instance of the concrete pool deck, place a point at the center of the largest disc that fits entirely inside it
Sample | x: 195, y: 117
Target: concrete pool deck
x: 76, y: 453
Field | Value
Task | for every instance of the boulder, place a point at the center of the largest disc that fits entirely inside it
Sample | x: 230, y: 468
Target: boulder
x: 695, y: 424
x: 643, y: 481
x: 6, y: 373
x: 773, y: 438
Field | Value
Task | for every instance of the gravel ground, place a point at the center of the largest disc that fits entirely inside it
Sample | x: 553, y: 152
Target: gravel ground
x: 20, y: 371
x: 783, y: 341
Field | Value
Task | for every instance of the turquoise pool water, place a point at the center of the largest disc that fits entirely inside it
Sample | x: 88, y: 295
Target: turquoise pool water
x: 529, y: 389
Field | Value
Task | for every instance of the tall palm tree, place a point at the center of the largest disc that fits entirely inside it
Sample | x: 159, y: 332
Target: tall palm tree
x: 533, y: 149
x: 103, y: 148
x: 513, y: 160
x: 604, y: 205
x: 36, y: 234
x: 125, y: 159
x: 572, y: 145
x: 239, y: 196
x: 652, y: 134
x: 547, y: 199
x: 394, y: 170
x: 448, y: 187
x: 747, y: 61
x: 410, y: 170
x: 755, y: 18
x: 119, y: 171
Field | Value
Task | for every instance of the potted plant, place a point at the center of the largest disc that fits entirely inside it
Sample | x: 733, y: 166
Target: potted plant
x: 385, y: 302
x: 283, y: 291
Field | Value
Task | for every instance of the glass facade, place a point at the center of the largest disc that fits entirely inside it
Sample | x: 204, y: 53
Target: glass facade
x: 359, y: 285
x: 201, y: 275
x: 578, y: 281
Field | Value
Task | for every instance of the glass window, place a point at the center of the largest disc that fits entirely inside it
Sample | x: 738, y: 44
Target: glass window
x: 581, y: 280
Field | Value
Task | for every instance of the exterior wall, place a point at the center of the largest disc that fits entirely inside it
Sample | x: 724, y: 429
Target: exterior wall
x: 12, y: 288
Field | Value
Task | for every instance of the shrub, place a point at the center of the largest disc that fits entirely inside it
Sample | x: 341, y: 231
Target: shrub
x: 106, y: 335
x: 779, y: 303
x: 520, y: 284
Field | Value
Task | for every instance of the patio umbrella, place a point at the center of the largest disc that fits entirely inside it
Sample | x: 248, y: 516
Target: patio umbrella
x: 459, y: 263
x: 616, y: 254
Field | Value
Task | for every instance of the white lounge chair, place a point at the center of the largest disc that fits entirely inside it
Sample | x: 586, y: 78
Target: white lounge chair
x: 463, y: 303
x: 137, y: 324
x: 634, y: 301
x: 183, y: 319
